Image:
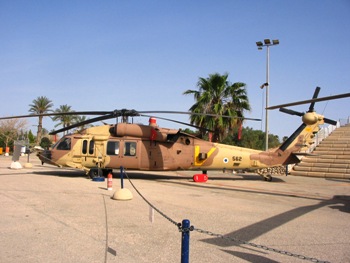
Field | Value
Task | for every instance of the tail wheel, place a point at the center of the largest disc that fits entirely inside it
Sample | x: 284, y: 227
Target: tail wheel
x: 268, y: 178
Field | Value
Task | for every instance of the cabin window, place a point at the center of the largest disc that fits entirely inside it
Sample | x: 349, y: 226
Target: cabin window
x: 64, y: 144
x: 84, y: 149
x: 91, y: 147
x: 112, y: 148
x: 130, y: 149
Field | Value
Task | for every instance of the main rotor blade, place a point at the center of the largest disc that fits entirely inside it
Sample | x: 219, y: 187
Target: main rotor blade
x: 101, y: 118
x: 116, y: 113
x: 123, y: 112
x: 37, y: 115
x: 334, y: 97
x: 109, y: 115
x: 198, y: 114
x: 179, y: 122
x: 292, y: 112
x: 317, y: 90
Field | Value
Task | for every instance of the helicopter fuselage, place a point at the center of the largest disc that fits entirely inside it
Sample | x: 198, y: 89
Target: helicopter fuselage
x: 150, y: 148
x: 141, y: 147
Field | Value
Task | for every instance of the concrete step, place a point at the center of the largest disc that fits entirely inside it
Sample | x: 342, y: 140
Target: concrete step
x: 320, y: 174
x: 320, y: 159
x: 331, y: 152
x: 332, y: 149
x: 334, y: 138
x: 329, y: 143
x: 343, y: 129
x: 343, y: 144
x: 340, y: 133
x: 331, y: 157
x: 321, y: 169
x: 326, y: 165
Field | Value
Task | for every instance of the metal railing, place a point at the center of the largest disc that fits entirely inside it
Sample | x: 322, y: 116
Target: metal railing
x: 324, y: 132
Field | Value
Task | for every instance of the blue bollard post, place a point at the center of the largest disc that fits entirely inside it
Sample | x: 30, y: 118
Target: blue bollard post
x: 185, y: 243
x: 122, y: 177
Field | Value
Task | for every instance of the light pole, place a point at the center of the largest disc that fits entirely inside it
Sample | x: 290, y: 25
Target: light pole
x: 267, y: 43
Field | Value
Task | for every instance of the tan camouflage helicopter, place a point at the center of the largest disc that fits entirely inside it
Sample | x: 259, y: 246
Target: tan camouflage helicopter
x: 98, y: 150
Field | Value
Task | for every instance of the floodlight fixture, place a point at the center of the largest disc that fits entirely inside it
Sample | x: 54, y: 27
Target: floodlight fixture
x: 267, y: 41
x: 259, y: 44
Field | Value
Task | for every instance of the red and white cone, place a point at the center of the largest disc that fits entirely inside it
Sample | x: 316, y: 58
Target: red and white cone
x: 109, y: 181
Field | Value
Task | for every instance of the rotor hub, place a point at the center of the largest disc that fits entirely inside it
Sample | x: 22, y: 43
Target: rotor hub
x: 310, y: 118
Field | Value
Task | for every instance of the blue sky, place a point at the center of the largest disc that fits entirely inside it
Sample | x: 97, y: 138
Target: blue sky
x: 106, y: 55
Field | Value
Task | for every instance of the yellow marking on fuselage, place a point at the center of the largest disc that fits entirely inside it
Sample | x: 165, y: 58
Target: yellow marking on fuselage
x: 198, y: 162
x: 308, y: 129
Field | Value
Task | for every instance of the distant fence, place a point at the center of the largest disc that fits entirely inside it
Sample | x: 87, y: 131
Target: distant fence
x: 344, y: 122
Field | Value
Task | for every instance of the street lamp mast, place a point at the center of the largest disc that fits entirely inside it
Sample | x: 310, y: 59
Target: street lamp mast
x: 267, y: 43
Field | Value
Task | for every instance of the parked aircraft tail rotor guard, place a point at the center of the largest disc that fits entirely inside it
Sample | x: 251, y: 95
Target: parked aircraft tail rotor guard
x: 100, y: 149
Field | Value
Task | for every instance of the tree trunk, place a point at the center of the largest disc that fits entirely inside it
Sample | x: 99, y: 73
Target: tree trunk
x: 40, y: 126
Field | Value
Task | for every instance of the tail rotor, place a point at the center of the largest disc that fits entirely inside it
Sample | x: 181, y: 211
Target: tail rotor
x: 310, y: 117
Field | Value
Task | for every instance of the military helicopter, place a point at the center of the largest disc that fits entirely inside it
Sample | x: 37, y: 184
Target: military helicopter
x: 100, y: 149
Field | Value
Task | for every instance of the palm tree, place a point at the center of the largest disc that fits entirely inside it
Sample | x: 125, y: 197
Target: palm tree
x: 79, y: 119
x: 40, y: 105
x: 216, y: 95
x: 64, y: 120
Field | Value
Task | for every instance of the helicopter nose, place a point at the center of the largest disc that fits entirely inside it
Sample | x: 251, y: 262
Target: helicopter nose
x: 45, y: 156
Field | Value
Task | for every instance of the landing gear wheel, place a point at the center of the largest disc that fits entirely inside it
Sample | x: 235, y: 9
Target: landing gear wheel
x: 95, y: 172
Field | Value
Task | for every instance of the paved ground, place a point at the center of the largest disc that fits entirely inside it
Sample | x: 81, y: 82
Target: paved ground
x: 57, y: 215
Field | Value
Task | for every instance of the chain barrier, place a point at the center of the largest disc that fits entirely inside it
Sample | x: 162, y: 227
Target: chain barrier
x: 236, y: 240
x: 151, y: 205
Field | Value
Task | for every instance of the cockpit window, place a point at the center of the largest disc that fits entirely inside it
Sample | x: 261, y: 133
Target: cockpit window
x: 88, y: 147
x: 65, y: 144
x: 91, y: 147
x: 84, y: 149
